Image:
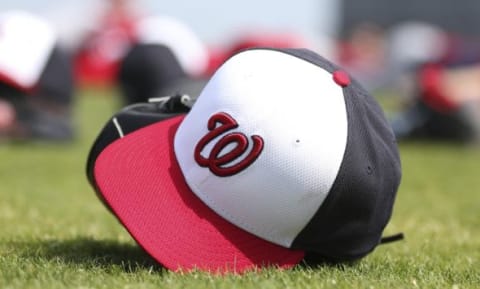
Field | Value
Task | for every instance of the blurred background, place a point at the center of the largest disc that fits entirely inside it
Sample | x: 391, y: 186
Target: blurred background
x: 213, y: 20
x: 420, y: 58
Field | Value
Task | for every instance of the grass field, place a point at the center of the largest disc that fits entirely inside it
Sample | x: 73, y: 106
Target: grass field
x: 54, y: 233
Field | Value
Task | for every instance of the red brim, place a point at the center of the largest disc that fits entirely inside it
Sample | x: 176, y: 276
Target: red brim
x: 140, y: 179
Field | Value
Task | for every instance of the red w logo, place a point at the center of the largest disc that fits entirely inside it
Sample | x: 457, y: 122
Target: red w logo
x: 215, y: 162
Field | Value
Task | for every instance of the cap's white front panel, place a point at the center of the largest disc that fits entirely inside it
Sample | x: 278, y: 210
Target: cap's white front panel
x: 25, y: 46
x: 299, y: 112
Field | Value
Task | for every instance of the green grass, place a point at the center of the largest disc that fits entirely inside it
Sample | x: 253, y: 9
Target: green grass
x: 54, y: 233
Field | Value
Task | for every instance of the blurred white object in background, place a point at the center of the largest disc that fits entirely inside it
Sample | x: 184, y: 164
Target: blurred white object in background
x: 190, y: 51
x: 26, y: 42
x: 414, y: 42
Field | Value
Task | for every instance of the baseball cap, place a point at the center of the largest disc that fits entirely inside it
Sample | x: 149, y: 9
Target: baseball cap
x: 152, y: 70
x: 37, y: 79
x: 22, y: 63
x: 188, y: 48
x: 43, y: 69
x: 282, y: 158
